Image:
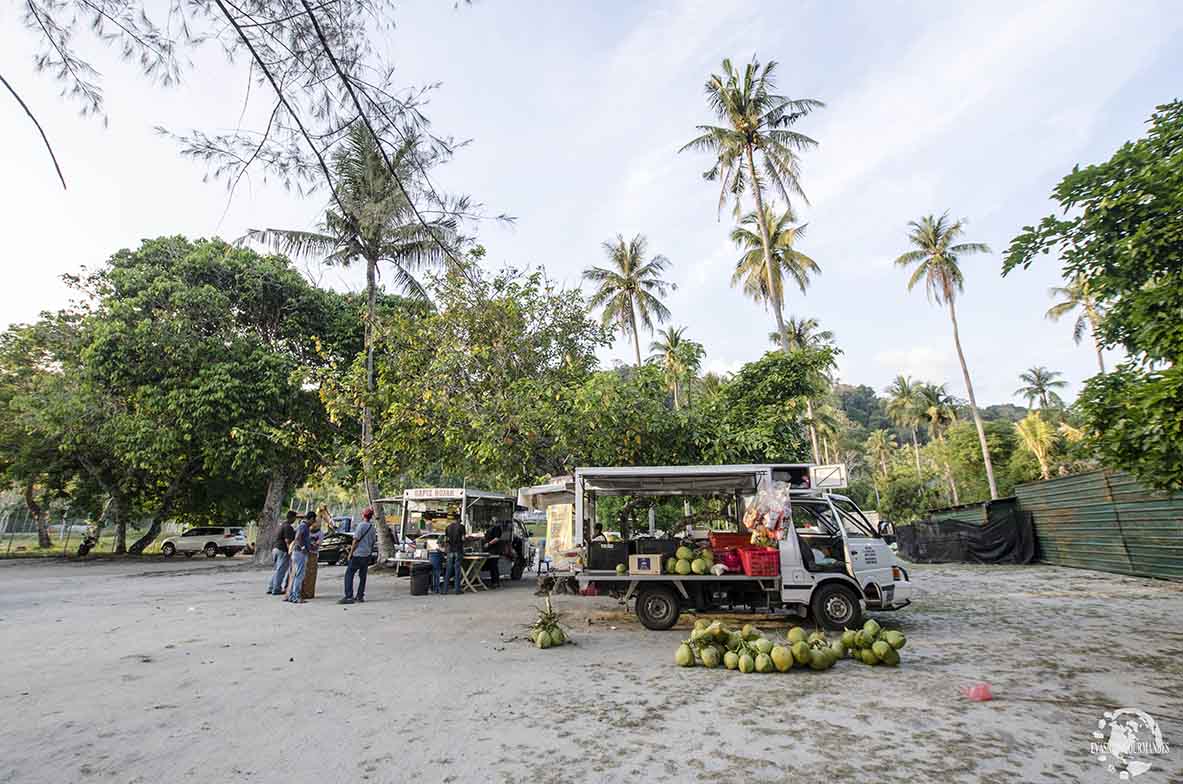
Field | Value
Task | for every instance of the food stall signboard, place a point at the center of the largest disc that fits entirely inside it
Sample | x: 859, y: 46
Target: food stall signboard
x: 560, y: 533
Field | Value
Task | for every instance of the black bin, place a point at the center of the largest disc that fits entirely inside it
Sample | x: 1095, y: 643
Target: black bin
x: 420, y: 579
x: 663, y: 547
x: 606, y: 555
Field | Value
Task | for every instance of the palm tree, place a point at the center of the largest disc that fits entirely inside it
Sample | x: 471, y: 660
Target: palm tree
x: 937, y: 257
x: 904, y: 408
x: 939, y: 408
x: 760, y: 281
x: 1040, y: 384
x: 802, y: 333
x: 709, y: 385
x: 754, y: 122
x: 373, y: 222
x: 880, y: 445
x: 678, y: 357
x: 1039, y: 438
x: 1076, y: 295
x: 629, y: 290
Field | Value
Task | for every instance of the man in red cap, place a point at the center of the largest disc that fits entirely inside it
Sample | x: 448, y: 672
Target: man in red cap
x: 364, y: 542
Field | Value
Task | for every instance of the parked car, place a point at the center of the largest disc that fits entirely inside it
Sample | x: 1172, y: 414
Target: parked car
x: 209, y: 539
x: 334, y: 549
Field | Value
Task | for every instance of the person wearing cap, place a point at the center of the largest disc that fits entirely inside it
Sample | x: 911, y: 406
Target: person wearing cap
x: 301, y: 547
x: 364, y: 540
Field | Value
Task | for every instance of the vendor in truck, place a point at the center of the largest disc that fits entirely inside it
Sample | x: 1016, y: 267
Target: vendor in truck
x: 490, y: 543
x: 599, y: 535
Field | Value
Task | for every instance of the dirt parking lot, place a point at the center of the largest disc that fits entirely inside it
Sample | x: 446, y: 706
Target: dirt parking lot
x: 162, y: 671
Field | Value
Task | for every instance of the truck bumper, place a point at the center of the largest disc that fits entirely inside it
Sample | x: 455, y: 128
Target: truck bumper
x: 894, y: 597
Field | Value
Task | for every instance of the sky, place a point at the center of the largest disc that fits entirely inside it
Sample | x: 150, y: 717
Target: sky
x: 576, y: 112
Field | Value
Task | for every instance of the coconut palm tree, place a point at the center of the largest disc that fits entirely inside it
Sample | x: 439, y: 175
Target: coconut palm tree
x: 373, y: 222
x: 937, y: 256
x: 1040, y: 384
x: 1076, y: 295
x: 754, y: 123
x: 709, y: 384
x: 941, y: 411
x: 760, y: 281
x: 679, y: 358
x: 803, y: 333
x: 904, y: 408
x: 1039, y: 438
x: 630, y: 288
x: 880, y: 445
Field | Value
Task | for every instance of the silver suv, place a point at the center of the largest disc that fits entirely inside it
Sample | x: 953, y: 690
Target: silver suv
x: 211, y: 540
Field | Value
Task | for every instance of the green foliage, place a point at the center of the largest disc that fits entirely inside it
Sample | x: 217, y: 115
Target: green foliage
x: 905, y: 499
x: 629, y: 289
x: 1119, y: 241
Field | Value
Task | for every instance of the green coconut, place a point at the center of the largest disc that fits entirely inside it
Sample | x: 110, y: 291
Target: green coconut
x: 817, y: 637
x: 895, y: 639
x: 764, y: 645
x: 683, y: 567
x: 699, y: 566
x: 750, y: 632
x: 710, y: 657
x: 871, y: 629
x: 764, y: 663
x: 621, y: 569
x: 746, y: 663
x: 684, y: 554
x: 880, y: 649
x: 860, y: 639
x: 868, y: 656
x: 731, y: 660
x: 848, y: 638
x: 707, y: 556
x: 801, y: 652
x: 796, y: 634
x: 684, y: 657
x: 819, y: 659
x: 782, y: 658
x: 734, y: 640
x: 838, y: 649
x: 671, y: 564
x: 543, y: 639
x: 701, y: 623
x: 718, y: 631
x: 556, y: 636
x: 892, y: 658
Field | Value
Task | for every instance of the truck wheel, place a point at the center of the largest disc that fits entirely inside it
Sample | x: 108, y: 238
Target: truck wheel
x: 657, y: 607
x: 836, y: 607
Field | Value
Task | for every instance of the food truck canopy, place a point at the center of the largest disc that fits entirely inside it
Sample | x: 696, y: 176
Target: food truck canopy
x: 560, y: 490
x: 688, y: 480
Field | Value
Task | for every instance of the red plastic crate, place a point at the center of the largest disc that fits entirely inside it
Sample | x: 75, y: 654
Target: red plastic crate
x: 760, y: 561
x: 722, y: 540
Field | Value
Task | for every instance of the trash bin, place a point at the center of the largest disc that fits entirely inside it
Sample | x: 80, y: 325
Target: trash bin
x: 420, y: 579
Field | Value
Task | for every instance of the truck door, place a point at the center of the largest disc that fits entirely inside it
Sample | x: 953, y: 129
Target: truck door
x: 852, y: 557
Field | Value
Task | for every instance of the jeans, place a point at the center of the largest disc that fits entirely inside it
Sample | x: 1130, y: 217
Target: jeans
x: 437, y: 567
x: 359, y: 565
x: 494, y: 567
x: 455, y: 564
x: 282, y: 562
x: 299, y: 564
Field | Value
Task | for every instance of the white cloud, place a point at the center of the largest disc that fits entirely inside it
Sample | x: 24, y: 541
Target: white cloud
x: 923, y: 363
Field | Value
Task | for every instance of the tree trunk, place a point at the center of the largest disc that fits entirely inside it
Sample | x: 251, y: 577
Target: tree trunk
x: 812, y: 429
x: 117, y: 512
x: 883, y: 465
x: 973, y: 405
x: 39, y: 518
x: 948, y: 470
x: 1044, y: 470
x: 267, y: 523
x: 916, y: 452
x: 162, y: 513
x: 386, y: 543
x: 636, y: 333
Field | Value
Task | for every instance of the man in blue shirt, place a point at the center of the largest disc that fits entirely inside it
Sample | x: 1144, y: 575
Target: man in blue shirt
x: 300, y: 549
x: 364, y: 541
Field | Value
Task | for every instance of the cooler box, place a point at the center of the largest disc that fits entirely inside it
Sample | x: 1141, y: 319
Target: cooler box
x: 605, y: 556
x: 645, y: 564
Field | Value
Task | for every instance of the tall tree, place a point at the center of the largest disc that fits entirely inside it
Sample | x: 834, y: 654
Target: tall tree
x: 941, y: 412
x: 764, y: 283
x: 802, y: 333
x: 755, y: 122
x: 629, y: 289
x: 1039, y: 438
x: 679, y: 358
x: 880, y: 446
x: 1076, y: 296
x: 904, y: 406
x: 937, y: 257
x: 1041, y: 384
x: 373, y: 221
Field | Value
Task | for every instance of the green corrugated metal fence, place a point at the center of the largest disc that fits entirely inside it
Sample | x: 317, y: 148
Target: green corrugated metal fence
x: 1106, y: 520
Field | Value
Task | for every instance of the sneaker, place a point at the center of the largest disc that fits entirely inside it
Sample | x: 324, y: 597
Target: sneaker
x: 345, y: 600
x: 361, y: 600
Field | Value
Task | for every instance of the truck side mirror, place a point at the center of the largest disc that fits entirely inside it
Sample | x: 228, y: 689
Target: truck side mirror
x: 886, y: 531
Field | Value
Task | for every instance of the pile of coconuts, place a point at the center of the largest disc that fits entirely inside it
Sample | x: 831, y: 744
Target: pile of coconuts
x: 711, y: 645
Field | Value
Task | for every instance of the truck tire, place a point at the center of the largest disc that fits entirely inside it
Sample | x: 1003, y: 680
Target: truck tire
x: 657, y: 607
x: 836, y: 606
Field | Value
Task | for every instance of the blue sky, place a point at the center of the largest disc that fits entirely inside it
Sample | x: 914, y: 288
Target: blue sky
x: 577, y: 110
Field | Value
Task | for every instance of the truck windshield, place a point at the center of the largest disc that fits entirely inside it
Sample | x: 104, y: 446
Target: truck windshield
x: 429, y: 516
x: 852, y: 519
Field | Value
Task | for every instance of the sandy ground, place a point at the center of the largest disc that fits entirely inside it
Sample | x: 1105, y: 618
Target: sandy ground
x: 185, y: 671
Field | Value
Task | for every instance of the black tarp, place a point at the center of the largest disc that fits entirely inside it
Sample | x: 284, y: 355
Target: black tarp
x: 1008, y: 538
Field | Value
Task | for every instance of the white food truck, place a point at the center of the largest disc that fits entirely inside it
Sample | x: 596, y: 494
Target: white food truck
x: 829, y: 559
x: 427, y: 511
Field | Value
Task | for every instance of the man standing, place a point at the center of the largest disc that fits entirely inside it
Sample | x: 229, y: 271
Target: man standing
x: 491, y: 543
x: 360, y: 550
x: 454, y: 540
x: 280, y: 554
x: 301, y: 546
